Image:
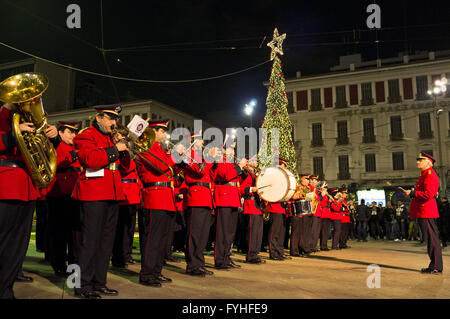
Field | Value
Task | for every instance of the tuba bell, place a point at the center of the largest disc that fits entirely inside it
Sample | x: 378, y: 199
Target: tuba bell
x: 25, y: 91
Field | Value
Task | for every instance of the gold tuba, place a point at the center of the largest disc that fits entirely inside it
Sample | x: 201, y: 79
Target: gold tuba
x: 25, y: 90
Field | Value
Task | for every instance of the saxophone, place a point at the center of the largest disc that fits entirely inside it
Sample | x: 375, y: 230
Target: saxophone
x: 25, y: 91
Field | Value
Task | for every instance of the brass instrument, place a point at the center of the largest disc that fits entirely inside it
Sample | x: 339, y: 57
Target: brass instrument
x: 25, y: 91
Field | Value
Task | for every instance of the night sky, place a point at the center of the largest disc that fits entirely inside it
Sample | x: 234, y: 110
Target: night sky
x: 181, y: 40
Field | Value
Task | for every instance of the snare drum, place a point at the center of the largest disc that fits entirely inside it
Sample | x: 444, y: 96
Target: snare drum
x: 302, y: 207
x: 276, y: 184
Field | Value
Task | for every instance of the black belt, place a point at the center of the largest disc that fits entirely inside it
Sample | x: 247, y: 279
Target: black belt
x: 129, y: 180
x: 8, y: 163
x: 159, y: 184
x: 69, y: 169
x: 208, y: 185
x: 228, y: 183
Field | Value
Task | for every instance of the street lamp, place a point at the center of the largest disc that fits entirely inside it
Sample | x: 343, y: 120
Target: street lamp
x: 248, y: 109
x: 439, y: 89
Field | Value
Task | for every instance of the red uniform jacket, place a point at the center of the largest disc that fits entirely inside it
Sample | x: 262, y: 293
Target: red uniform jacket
x: 345, y: 212
x: 226, y: 195
x: 199, y: 195
x: 131, y: 185
x: 96, y: 151
x: 181, y: 189
x: 423, y: 204
x: 249, y: 197
x: 275, y: 208
x: 157, y: 197
x: 67, y: 173
x: 15, y: 182
x: 325, y: 207
x: 336, y: 213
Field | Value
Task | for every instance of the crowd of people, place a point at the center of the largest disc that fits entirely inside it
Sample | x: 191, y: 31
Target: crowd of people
x: 87, y: 215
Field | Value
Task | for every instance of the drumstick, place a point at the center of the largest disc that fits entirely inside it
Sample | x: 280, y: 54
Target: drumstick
x: 264, y: 186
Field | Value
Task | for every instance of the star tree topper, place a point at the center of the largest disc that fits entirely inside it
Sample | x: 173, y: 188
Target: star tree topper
x: 276, y: 44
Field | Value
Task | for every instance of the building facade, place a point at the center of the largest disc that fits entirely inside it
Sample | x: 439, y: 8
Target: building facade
x: 146, y: 109
x: 364, y: 124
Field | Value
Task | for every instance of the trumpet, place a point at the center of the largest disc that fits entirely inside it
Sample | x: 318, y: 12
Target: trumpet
x: 172, y: 145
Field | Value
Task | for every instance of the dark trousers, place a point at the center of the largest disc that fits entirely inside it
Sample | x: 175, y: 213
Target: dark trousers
x: 306, y: 240
x: 198, y: 224
x: 296, y: 234
x: 374, y: 228
x: 42, y: 240
x: 16, y: 218
x: 337, y: 233
x: 430, y: 233
x: 63, y: 231
x: 226, y: 223
x: 254, y: 236
x: 240, y: 240
x: 276, y: 235
x: 315, y: 232
x: 123, y: 241
x: 361, y: 230
x: 170, y: 236
x: 98, y: 228
x: 324, y: 233
x: 345, y: 230
x: 155, y: 229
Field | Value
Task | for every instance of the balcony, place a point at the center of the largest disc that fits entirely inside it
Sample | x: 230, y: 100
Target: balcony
x: 369, y: 139
x: 394, y: 99
x: 422, y: 97
x: 343, y: 175
x: 425, y: 135
x: 315, y: 107
x: 341, y: 104
x: 396, y: 137
x: 342, y: 140
x: 367, y: 102
x: 317, y: 142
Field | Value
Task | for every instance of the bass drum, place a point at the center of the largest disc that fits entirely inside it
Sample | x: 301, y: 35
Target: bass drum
x: 276, y: 184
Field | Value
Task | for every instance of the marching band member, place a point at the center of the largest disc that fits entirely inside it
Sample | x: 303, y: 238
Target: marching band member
x: 63, y: 217
x: 317, y: 213
x: 200, y: 204
x: 325, y: 207
x: 424, y: 208
x: 252, y: 211
x: 99, y: 190
x: 336, y: 216
x: 345, y: 222
x: 157, y: 170
x: 18, y: 197
x: 228, y: 201
x: 297, y: 218
x: 277, y: 229
x: 126, y: 221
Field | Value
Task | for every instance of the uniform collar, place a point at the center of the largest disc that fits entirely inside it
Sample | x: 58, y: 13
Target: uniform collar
x: 426, y: 171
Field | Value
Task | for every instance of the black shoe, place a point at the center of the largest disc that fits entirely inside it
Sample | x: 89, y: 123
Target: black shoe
x: 61, y: 273
x: 163, y: 279
x: 172, y: 259
x: 20, y: 278
x: 286, y: 257
x: 295, y: 255
x: 119, y: 265
x: 325, y: 249
x: 88, y: 295
x: 276, y: 258
x: 150, y: 282
x: 233, y: 265
x: 306, y: 255
x: 106, y: 291
x: 206, y: 271
x: 197, y: 272
x: 222, y: 267
x: 131, y: 261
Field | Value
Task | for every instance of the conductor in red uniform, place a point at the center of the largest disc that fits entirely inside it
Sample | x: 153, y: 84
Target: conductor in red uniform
x: 63, y: 215
x: 424, y: 208
x: 157, y: 170
x: 99, y: 191
x: 18, y: 197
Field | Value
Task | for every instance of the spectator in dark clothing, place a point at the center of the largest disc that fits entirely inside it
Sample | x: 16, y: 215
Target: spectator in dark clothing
x: 362, y: 216
x: 388, y: 216
x: 382, y: 222
x: 444, y: 220
x: 374, y: 222
x: 400, y: 220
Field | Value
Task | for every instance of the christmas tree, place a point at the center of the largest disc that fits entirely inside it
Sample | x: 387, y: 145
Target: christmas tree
x: 277, y: 116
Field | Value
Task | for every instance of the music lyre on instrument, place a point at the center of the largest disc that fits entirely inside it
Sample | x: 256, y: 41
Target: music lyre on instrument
x: 25, y: 90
